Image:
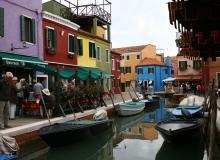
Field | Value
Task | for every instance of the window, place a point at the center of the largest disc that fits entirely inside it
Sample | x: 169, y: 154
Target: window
x: 128, y: 57
x: 166, y: 71
x: 113, y: 64
x: 172, y: 71
x: 92, y: 50
x: 128, y: 83
x: 72, y: 44
x: 1, y: 22
x: 138, y: 56
x: 150, y: 70
x: 140, y: 131
x: 127, y: 69
x: 27, y: 29
x: 140, y: 71
x: 122, y: 69
x: 80, y: 47
x: 50, y: 39
x: 118, y: 66
x: 99, y: 53
x: 107, y: 55
x: 122, y: 57
x: 182, y: 65
x: 197, y: 64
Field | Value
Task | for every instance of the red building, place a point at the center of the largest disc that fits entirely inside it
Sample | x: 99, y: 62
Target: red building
x: 59, y: 41
x: 115, y: 69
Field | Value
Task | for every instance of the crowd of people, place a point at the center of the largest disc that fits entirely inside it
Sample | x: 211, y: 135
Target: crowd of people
x: 15, y: 96
x: 196, y: 88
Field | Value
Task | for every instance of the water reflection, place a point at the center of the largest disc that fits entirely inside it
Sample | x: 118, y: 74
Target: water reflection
x: 135, y: 139
x: 96, y: 148
x: 189, y: 151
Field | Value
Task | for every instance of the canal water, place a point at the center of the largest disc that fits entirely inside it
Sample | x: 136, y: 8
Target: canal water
x: 135, y: 138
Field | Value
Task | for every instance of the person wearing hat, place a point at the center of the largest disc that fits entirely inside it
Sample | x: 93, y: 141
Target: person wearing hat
x: 47, y: 101
x: 5, y: 97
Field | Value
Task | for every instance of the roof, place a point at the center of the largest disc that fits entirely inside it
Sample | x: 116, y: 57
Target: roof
x: 150, y: 61
x: 129, y: 49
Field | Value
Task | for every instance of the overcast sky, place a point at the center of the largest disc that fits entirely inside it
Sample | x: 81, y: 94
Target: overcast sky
x: 139, y: 22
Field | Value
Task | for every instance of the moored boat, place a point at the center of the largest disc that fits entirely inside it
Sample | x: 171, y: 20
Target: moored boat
x: 195, y: 111
x: 69, y: 132
x: 129, y: 108
x: 175, y: 130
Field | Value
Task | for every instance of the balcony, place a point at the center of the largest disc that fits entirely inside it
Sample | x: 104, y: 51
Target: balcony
x: 77, y: 11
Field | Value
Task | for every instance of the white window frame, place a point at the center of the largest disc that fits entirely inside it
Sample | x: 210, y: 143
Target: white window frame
x: 99, y: 54
x: 108, y: 56
x: 95, y: 48
x: 71, y: 53
x: 113, y: 64
x: 30, y: 43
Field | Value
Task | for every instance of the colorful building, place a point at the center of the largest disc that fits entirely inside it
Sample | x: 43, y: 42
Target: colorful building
x: 130, y: 58
x: 213, y: 71
x: 153, y: 72
x: 189, y: 70
x: 21, y: 46
x: 60, y: 46
x: 115, y: 63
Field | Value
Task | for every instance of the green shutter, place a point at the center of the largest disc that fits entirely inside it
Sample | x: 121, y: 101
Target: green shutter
x: 22, y: 28
x: 74, y: 44
x: 1, y: 22
x: 33, y: 37
x: 90, y: 49
x: 94, y: 51
x: 46, y: 37
x: 54, y: 40
x: 80, y: 47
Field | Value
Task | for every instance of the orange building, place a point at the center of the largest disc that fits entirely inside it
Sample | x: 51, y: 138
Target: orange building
x: 130, y: 58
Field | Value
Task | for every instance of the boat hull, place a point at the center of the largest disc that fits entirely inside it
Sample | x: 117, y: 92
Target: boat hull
x: 195, y: 113
x: 128, y: 110
x: 63, y: 134
x: 190, y: 129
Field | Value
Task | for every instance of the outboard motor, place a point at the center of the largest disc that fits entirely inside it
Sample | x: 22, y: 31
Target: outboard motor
x: 100, y: 115
x: 186, y: 114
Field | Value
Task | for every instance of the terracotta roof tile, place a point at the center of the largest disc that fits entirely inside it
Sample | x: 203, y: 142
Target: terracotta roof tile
x: 150, y: 61
x: 129, y: 49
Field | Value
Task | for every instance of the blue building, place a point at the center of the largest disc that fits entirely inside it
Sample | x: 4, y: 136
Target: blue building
x: 152, y: 72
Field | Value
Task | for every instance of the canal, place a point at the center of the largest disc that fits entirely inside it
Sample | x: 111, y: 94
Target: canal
x: 135, y: 138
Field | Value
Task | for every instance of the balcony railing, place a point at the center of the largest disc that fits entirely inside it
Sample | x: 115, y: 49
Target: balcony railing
x: 74, y: 10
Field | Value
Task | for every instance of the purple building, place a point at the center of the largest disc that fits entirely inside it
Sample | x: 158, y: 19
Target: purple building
x: 21, y: 44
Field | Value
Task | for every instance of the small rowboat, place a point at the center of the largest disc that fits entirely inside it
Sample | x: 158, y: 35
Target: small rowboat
x: 69, y: 132
x: 195, y: 111
x: 175, y: 130
x: 129, y: 108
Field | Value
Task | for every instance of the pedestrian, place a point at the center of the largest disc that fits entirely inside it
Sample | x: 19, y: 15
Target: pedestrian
x: 47, y: 101
x: 13, y: 100
x: 20, y: 96
x: 5, y: 94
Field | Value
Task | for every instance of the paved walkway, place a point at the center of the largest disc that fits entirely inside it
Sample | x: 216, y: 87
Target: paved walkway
x: 27, y: 124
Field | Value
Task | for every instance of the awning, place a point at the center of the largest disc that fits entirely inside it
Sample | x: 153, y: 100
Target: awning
x: 169, y: 79
x: 67, y: 73
x: 42, y: 68
x: 189, y: 78
x: 90, y: 72
x: 15, y: 59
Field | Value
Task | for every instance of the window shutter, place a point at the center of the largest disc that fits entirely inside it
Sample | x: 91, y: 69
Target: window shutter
x: 74, y: 44
x: 1, y: 22
x: 80, y: 47
x: 90, y: 49
x: 46, y: 37
x: 22, y: 28
x: 54, y: 40
x: 33, y: 37
x: 94, y: 51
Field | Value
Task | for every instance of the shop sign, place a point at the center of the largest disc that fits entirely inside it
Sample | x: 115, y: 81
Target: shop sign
x: 14, y: 63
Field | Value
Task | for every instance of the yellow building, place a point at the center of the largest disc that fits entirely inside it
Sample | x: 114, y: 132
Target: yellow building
x: 130, y: 58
